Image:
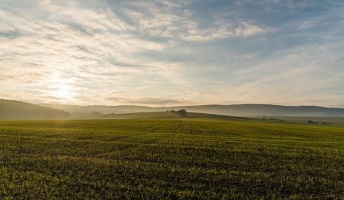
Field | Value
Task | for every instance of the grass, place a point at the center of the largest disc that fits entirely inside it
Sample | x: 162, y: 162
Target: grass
x: 333, y: 121
x: 170, y: 159
x: 145, y: 115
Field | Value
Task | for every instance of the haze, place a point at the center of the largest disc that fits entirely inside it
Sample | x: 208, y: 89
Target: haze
x: 166, y: 53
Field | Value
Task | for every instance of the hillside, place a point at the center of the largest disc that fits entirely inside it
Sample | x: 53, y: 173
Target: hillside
x: 266, y: 110
x: 168, y: 115
x: 141, y: 115
x: 243, y: 110
x: 86, y: 111
x: 16, y: 110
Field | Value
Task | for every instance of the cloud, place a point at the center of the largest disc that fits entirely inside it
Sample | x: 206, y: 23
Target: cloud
x: 246, y: 29
x: 157, y: 101
x: 147, y: 101
x: 67, y: 41
x: 173, y: 21
x: 170, y: 52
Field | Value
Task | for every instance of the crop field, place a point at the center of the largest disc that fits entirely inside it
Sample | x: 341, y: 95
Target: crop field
x: 170, y: 159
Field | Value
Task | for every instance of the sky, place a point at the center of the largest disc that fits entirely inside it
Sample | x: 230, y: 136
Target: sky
x: 172, y: 52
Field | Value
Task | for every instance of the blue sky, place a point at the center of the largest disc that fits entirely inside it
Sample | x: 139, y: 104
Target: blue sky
x: 162, y: 53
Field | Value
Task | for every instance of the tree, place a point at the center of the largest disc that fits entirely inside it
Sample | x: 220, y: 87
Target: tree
x: 182, y: 112
x: 98, y: 114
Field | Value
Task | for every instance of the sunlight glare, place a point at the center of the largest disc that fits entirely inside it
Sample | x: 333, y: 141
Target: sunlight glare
x: 63, y: 91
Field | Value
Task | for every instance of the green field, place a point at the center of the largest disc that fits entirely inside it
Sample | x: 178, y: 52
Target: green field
x: 189, y: 158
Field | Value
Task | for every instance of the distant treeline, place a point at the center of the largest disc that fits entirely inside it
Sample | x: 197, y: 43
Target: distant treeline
x: 16, y: 110
x: 97, y: 114
x: 181, y: 112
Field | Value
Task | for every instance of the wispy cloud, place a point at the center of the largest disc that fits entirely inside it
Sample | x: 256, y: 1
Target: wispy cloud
x: 172, y: 52
x: 147, y: 101
x: 173, y: 20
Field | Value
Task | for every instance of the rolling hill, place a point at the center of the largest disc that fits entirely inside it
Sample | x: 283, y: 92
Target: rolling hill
x: 243, y: 110
x: 19, y: 110
x: 168, y: 115
x: 266, y: 110
x: 16, y: 110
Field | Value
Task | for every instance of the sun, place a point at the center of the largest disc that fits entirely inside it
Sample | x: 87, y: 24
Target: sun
x: 63, y: 91
x: 62, y: 88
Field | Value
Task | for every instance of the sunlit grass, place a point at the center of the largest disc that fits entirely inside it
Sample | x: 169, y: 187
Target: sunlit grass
x: 170, y: 158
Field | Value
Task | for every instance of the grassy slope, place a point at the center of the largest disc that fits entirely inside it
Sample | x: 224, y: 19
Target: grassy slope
x: 213, y: 116
x: 332, y: 121
x: 169, y: 115
x: 170, y: 158
x: 165, y: 115
x: 16, y: 110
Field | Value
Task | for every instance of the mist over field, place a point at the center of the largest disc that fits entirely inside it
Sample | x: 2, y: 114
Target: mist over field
x: 243, y: 110
x: 15, y: 110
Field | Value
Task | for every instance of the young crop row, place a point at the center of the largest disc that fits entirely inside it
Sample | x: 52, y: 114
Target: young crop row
x: 170, y: 159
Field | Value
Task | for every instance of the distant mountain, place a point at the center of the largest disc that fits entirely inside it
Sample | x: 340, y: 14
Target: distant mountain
x: 16, y: 110
x: 244, y: 110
